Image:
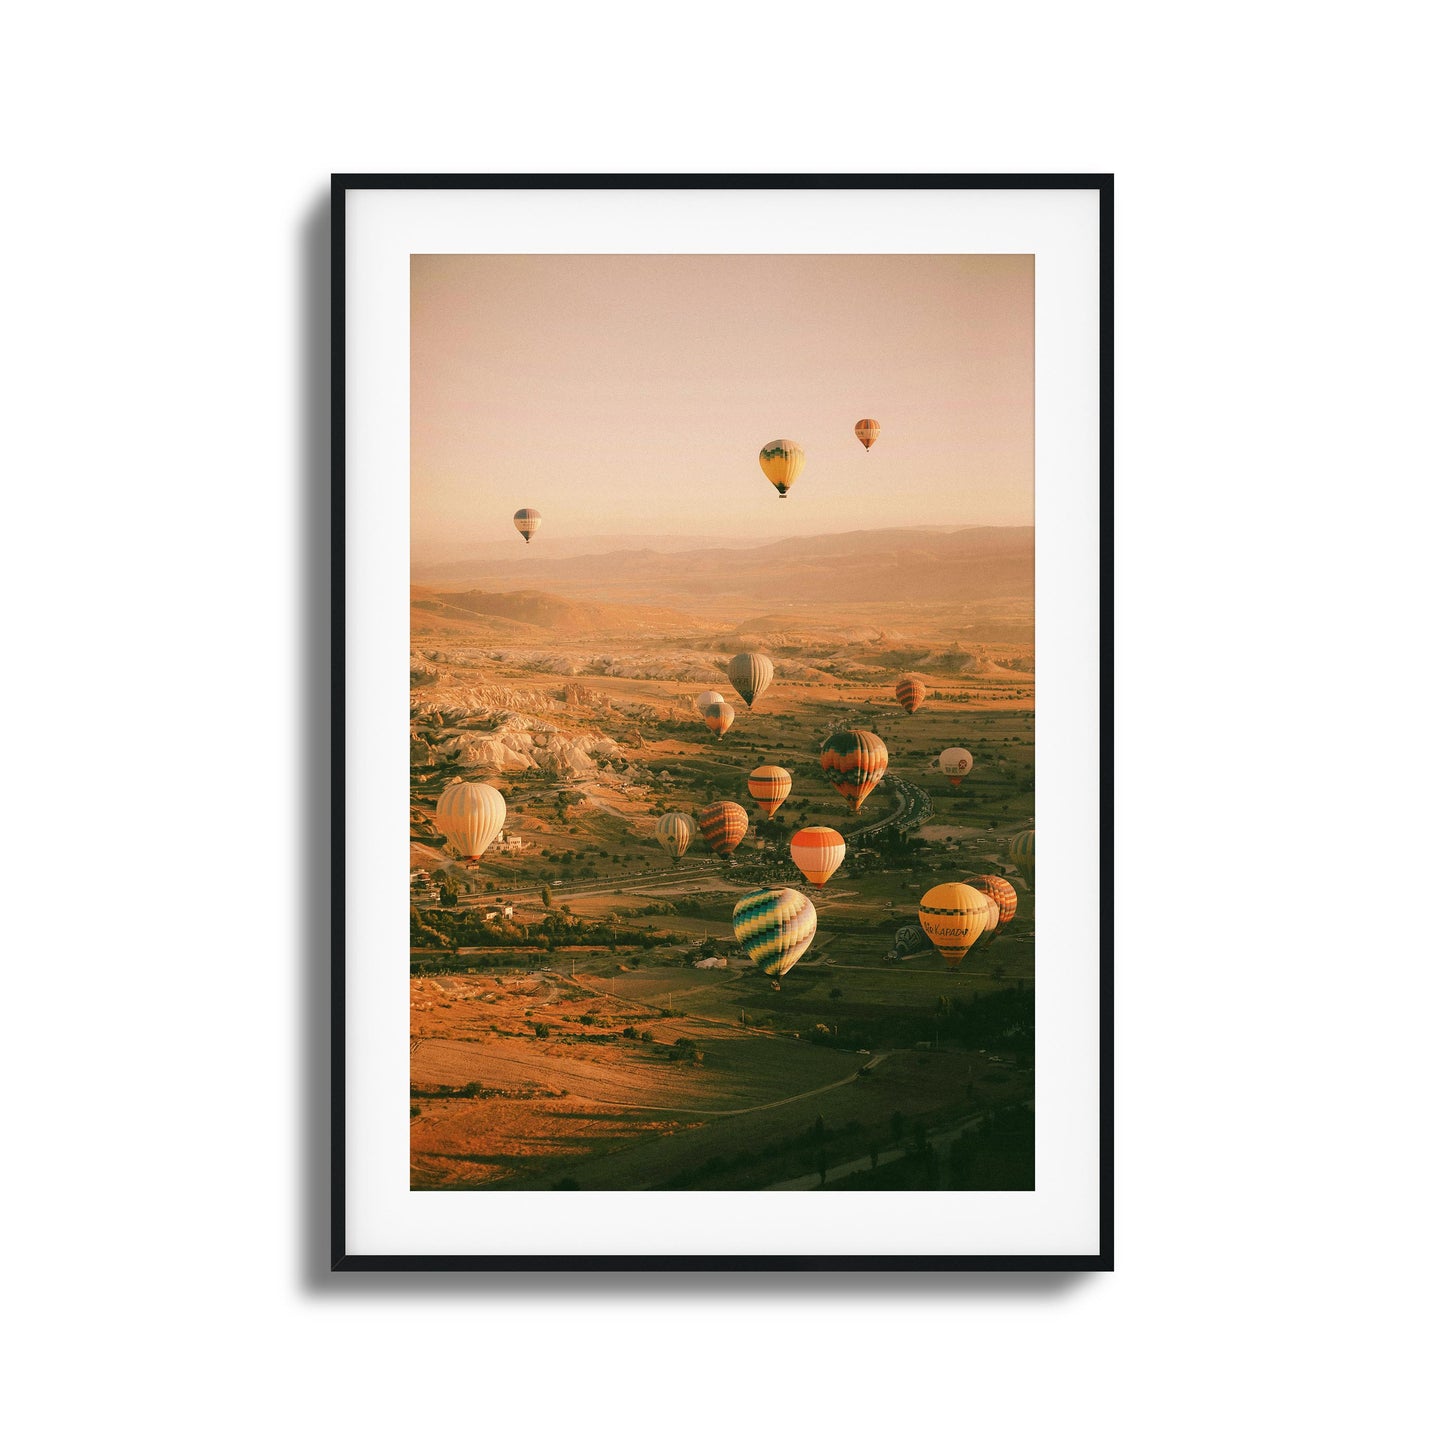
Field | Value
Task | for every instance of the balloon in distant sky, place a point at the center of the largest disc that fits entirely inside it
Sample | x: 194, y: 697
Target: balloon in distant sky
x: 1002, y: 892
x: 723, y: 826
x: 674, y: 833
x: 527, y: 521
x: 853, y: 761
x: 470, y: 815
x: 867, y: 432
x: 818, y: 852
x: 705, y: 700
x: 953, y: 915
x: 718, y: 716
x: 955, y: 764
x: 775, y: 926
x: 910, y: 694
x: 750, y: 673
x: 770, y: 786
x: 781, y: 462
x: 1021, y: 852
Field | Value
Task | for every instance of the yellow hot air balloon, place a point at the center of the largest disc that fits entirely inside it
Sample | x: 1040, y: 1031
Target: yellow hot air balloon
x: 953, y: 915
x: 751, y: 674
x: 867, y: 432
x: 470, y: 815
x: 817, y: 853
x: 770, y: 786
x: 674, y: 833
x: 718, y: 716
x: 781, y: 462
x: 527, y: 521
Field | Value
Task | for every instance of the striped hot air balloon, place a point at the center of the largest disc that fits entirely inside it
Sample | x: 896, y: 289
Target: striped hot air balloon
x: 775, y: 926
x: 910, y: 694
x: 770, y: 786
x: 470, y: 815
x: 527, y: 521
x: 1003, y: 894
x: 910, y: 939
x: 1021, y: 853
x: 674, y: 833
x: 955, y: 764
x: 723, y: 826
x: 705, y: 700
x: 953, y: 915
x: 781, y: 462
x: 750, y: 673
x: 818, y: 852
x: 718, y: 716
x: 853, y: 761
x: 867, y: 432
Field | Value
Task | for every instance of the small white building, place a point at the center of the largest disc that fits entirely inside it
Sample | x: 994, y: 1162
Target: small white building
x: 711, y: 963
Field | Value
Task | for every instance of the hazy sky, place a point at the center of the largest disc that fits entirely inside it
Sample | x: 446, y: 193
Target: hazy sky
x: 631, y: 394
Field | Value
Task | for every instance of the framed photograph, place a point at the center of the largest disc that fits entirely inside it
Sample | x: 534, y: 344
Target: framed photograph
x: 722, y: 609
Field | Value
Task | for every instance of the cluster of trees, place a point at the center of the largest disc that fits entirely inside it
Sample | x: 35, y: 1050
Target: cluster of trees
x: 433, y: 928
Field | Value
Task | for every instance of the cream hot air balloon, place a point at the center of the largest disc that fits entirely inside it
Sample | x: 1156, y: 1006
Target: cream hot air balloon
x: 527, y: 521
x: 955, y: 764
x: 718, y: 716
x: 770, y: 786
x: 705, y: 700
x: 817, y: 853
x: 781, y: 462
x: 470, y: 815
x: 953, y: 915
x: 990, y: 926
x: 750, y: 673
x: 674, y: 833
x: 867, y: 432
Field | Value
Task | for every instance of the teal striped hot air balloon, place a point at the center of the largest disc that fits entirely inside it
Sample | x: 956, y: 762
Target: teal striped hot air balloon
x: 775, y: 927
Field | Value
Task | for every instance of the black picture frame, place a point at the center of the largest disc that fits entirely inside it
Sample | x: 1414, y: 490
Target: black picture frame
x: 340, y: 1258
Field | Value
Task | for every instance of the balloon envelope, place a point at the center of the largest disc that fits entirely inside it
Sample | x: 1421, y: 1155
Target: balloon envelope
x: 470, y: 815
x: 853, y: 761
x: 867, y: 432
x: 723, y: 826
x: 1021, y: 852
x: 910, y: 939
x: 953, y: 915
x: 818, y: 852
x: 910, y: 694
x: 705, y: 700
x: 775, y: 926
x: 674, y: 833
x: 955, y: 764
x: 1002, y: 892
x: 718, y: 716
x: 750, y: 673
x: 770, y: 786
x: 781, y: 462
x: 526, y: 522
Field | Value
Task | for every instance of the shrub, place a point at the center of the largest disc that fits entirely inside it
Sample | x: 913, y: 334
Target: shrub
x: 541, y: 1030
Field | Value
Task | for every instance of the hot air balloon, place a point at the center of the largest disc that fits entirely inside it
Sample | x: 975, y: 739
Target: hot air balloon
x: 990, y: 925
x: 954, y: 764
x: 1003, y: 894
x: 867, y: 432
x: 674, y: 833
x: 818, y: 852
x: 909, y: 939
x: 853, y: 761
x: 705, y: 700
x: 750, y: 673
x: 910, y: 694
x: 770, y: 786
x: 953, y: 915
x: 471, y: 815
x: 718, y: 716
x: 781, y: 462
x: 775, y: 927
x: 527, y: 521
x: 1021, y: 852
x: 723, y: 826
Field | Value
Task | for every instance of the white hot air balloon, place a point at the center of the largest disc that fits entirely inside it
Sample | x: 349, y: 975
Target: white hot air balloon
x: 705, y: 700
x: 470, y: 815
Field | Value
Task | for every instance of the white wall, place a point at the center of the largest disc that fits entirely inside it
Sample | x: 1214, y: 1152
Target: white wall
x: 164, y: 458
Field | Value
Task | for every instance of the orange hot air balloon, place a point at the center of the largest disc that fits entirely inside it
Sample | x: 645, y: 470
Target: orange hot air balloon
x: 910, y: 694
x: 770, y: 786
x: 723, y: 826
x: 1002, y: 892
x: 953, y: 915
x: 718, y: 716
x: 867, y: 432
x: 955, y: 764
x: 853, y: 761
x: 818, y: 852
